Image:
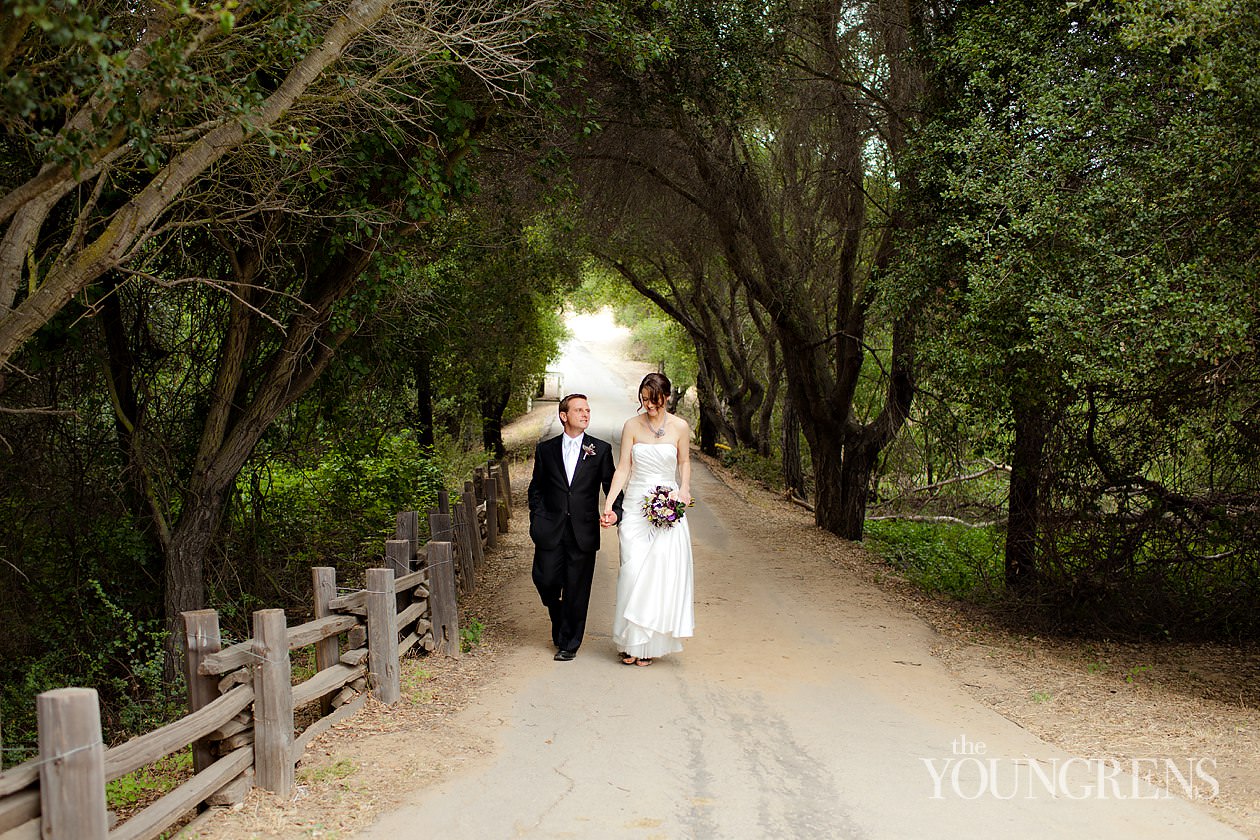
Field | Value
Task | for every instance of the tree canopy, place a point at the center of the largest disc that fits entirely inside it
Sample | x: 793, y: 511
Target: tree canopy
x: 1095, y: 175
x: 263, y: 261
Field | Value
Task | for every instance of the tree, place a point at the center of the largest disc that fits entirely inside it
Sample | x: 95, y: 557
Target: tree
x: 209, y: 164
x: 157, y: 100
x: 653, y: 242
x: 498, y: 324
x: 783, y: 125
x: 1096, y: 178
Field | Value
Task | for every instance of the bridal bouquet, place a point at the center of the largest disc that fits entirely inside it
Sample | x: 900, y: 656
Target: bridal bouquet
x: 661, y: 510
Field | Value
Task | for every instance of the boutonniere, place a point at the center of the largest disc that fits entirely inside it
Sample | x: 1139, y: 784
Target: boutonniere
x: 588, y: 449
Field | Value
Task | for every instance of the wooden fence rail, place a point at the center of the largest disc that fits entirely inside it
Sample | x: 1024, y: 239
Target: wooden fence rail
x: 241, y: 698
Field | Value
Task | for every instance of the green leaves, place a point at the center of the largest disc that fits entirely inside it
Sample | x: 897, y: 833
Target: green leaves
x: 227, y: 21
x: 1096, y: 227
x: 1072, y: 200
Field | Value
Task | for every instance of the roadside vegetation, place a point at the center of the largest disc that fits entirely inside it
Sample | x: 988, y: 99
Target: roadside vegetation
x: 977, y: 284
x: 973, y: 282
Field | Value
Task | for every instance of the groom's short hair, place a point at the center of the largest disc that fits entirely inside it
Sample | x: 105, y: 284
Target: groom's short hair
x: 564, y: 403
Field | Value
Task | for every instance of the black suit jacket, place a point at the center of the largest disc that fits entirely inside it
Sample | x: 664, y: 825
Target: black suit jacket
x: 555, y: 505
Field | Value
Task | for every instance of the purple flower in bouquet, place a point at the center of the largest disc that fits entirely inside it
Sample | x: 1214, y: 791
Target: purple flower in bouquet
x: 661, y: 510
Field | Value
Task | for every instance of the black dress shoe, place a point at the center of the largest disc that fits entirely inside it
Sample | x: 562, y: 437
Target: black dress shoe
x: 565, y: 655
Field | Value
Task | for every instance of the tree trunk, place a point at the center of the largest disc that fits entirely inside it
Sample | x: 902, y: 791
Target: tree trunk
x: 827, y: 459
x: 743, y: 405
x: 708, y: 423
x: 855, y: 485
x: 492, y: 436
x: 494, y: 400
x: 424, y: 400
x: 185, y: 584
x: 1024, y: 514
x: 708, y: 433
x: 765, y: 417
x: 793, y: 475
x: 676, y: 396
x: 127, y: 422
x: 712, y: 423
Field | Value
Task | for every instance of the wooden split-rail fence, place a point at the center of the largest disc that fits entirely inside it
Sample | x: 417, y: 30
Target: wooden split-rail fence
x: 241, y: 698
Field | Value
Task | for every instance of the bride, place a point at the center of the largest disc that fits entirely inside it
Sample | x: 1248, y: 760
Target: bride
x: 654, y: 586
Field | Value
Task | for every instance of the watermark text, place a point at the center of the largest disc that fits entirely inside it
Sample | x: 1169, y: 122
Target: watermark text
x: 969, y: 772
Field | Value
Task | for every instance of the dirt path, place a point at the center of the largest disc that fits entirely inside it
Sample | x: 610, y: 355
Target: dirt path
x: 810, y: 704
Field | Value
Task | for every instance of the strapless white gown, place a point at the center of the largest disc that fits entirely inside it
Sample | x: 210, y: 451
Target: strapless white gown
x: 654, y: 586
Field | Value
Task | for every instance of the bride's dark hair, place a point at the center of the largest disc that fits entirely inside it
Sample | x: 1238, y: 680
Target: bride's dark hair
x: 657, y: 387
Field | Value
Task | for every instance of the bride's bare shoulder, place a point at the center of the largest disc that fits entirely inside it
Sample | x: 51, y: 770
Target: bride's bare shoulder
x: 629, y: 430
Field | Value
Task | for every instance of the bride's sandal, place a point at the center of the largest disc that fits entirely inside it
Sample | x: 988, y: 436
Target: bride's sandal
x: 627, y: 659
x: 643, y: 663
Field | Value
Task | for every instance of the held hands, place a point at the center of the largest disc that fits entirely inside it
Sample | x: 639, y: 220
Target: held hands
x: 607, y: 519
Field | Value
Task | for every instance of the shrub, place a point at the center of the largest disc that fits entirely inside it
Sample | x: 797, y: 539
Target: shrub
x: 940, y: 557
x: 749, y: 464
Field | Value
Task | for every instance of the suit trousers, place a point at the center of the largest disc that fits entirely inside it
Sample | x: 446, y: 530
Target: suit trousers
x: 562, y: 576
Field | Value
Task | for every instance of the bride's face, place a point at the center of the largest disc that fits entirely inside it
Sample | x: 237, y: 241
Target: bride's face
x: 653, y: 409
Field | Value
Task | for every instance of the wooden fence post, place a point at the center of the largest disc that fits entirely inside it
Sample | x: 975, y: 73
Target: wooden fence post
x: 463, y: 540
x: 441, y: 529
x: 503, y: 491
x: 398, y: 556
x: 273, y: 703
x: 72, y: 765
x: 324, y: 587
x: 382, y: 623
x: 492, y: 512
x: 408, y: 528
x: 201, y: 638
x: 443, y: 608
x: 506, y: 472
x: 444, y: 501
x: 469, y: 500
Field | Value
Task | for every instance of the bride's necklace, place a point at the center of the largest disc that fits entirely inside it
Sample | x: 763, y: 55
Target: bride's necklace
x: 660, y: 433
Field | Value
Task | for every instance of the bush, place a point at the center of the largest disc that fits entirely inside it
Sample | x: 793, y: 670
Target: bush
x: 100, y: 645
x: 747, y: 463
x: 955, y: 559
x: 335, y: 510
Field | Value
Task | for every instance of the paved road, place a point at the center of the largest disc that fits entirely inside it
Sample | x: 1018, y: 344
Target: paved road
x: 806, y: 707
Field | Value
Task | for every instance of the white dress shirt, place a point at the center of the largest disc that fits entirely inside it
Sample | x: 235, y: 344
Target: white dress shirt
x: 572, y: 447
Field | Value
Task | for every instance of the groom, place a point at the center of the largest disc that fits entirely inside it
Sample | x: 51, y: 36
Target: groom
x: 569, y: 470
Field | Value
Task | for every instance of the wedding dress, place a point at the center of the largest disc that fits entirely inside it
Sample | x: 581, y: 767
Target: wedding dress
x: 654, y: 586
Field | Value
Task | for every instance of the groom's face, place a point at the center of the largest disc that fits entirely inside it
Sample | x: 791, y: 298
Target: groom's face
x: 577, y: 418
